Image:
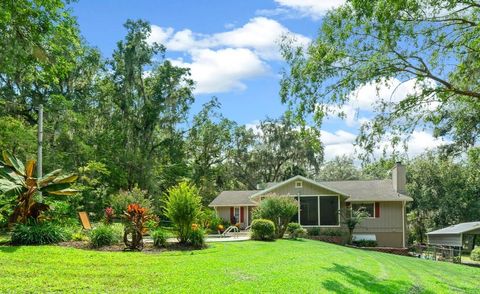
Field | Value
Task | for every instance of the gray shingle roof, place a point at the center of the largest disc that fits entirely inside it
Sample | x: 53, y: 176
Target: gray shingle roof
x: 457, y: 229
x: 232, y: 198
x: 372, y: 190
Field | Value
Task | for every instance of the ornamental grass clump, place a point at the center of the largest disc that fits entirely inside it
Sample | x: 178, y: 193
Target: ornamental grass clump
x: 103, y: 235
x: 38, y: 233
x: 183, y: 207
x: 135, y: 218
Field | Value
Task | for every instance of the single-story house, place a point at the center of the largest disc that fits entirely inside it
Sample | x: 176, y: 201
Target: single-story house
x: 455, y: 236
x: 321, y: 202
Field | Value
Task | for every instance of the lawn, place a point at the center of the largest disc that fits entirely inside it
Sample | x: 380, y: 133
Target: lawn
x: 281, y: 266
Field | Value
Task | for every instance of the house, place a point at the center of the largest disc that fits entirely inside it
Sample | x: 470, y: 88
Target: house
x: 320, y: 203
x: 456, y: 236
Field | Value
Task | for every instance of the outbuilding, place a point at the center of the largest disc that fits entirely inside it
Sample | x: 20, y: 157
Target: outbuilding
x: 455, y: 236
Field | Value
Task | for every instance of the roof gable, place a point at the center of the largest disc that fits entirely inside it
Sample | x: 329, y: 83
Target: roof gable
x: 293, y: 179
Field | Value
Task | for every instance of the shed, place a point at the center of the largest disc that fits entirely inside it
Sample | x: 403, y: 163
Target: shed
x: 454, y: 236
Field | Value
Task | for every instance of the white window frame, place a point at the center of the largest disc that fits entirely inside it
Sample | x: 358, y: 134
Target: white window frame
x: 318, y: 207
x: 366, y: 202
x: 298, y: 184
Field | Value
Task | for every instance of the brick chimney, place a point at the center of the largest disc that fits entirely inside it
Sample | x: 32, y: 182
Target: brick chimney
x: 399, y: 178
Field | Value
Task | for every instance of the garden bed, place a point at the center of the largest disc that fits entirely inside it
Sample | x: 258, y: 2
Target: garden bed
x: 339, y: 240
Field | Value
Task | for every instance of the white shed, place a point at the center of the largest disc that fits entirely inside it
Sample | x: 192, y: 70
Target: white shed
x: 454, y: 235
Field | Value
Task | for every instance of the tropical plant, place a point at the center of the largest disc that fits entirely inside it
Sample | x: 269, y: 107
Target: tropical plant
x: 109, y: 213
x: 38, y: 233
x: 278, y: 209
x: 263, y: 229
x: 159, y: 238
x: 182, y: 207
x: 17, y: 179
x: 135, y: 216
x: 103, y: 236
x: 352, y: 218
x: 196, y: 237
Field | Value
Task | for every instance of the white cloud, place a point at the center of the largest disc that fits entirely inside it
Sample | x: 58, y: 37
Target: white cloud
x: 311, y: 8
x: 223, y: 70
x: 368, y: 96
x: 221, y: 62
x: 342, y: 143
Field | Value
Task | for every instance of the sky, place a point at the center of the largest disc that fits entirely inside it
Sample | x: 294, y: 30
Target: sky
x: 232, y: 50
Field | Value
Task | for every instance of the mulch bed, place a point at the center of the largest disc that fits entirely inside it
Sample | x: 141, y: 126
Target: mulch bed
x: 339, y: 240
x: 147, y: 248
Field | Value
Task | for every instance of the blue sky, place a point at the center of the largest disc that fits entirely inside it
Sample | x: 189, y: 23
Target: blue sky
x: 232, y: 50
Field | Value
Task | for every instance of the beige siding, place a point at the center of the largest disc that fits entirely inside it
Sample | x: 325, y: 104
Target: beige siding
x: 389, y: 239
x: 450, y: 240
x: 390, y: 219
x: 224, y: 213
x: 307, y: 189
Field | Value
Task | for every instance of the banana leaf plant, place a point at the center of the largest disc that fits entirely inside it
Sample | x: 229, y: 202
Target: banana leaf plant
x: 17, y: 180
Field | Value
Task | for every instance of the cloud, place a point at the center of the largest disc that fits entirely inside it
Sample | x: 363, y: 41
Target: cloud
x: 366, y: 98
x: 223, y: 70
x: 309, y: 8
x: 222, y: 61
x: 342, y: 143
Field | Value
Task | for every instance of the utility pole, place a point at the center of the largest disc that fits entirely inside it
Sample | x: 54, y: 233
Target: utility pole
x: 40, y: 142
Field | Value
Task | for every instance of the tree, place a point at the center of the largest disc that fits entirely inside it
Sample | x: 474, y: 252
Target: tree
x: 430, y: 45
x: 147, y: 97
x: 279, y: 210
x: 274, y: 152
x: 444, y: 191
x: 378, y: 170
x: 183, y: 207
x: 341, y: 168
x: 352, y: 218
x: 208, y: 143
x: 17, y: 179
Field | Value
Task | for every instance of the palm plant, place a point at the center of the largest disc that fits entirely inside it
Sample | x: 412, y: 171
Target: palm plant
x: 17, y: 180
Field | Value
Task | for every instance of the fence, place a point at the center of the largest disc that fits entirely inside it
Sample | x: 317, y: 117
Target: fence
x: 440, y: 253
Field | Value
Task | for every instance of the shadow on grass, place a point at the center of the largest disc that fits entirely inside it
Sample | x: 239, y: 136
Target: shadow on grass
x: 8, y: 249
x: 358, y: 280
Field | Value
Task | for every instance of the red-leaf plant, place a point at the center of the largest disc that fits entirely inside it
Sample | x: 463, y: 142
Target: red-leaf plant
x: 135, y: 217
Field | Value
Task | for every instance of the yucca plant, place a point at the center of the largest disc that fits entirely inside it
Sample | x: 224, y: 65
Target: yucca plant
x: 17, y: 179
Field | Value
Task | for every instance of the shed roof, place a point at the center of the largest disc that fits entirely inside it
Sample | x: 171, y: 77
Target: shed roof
x: 457, y: 229
x: 234, y: 198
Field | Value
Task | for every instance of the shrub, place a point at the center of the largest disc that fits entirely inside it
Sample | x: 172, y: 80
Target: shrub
x: 197, y: 237
x: 159, y: 238
x: 38, y: 233
x: 120, y: 201
x: 103, y: 236
x: 79, y: 236
x: 182, y: 207
x: 278, y: 209
x: 365, y: 243
x: 295, y: 231
x: 263, y: 229
x: 315, y: 231
x: 332, y: 233
x: 475, y: 254
x: 209, y: 220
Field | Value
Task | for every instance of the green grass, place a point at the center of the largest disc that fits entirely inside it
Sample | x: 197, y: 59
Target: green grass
x: 238, y: 267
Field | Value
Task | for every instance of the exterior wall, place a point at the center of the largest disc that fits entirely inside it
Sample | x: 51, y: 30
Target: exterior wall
x: 449, y: 240
x: 307, y: 189
x: 389, y: 228
x: 224, y: 213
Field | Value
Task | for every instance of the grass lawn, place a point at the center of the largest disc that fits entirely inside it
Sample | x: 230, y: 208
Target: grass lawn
x: 281, y: 266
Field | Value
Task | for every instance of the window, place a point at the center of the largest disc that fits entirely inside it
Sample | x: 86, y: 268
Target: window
x: 309, y: 211
x: 236, y: 214
x: 368, y: 207
x: 295, y: 217
x: 329, y: 211
x: 298, y: 184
